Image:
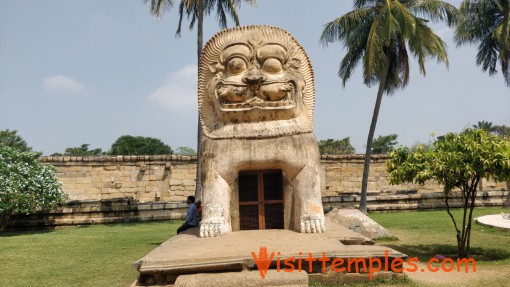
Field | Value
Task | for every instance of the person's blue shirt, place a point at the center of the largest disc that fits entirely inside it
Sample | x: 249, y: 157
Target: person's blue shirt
x: 192, y: 215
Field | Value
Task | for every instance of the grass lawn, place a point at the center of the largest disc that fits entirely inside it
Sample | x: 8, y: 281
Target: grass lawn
x: 97, y: 255
x: 424, y: 234
x: 427, y: 233
x: 101, y: 255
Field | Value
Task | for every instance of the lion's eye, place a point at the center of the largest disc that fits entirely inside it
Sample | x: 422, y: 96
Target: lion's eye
x: 236, y: 66
x: 272, y: 65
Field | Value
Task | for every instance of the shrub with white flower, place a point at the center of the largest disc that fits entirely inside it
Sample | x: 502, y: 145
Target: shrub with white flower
x: 26, y: 184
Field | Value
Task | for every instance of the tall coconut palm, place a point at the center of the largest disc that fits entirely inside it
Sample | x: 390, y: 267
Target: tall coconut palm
x: 195, y: 10
x: 380, y: 34
x: 487, y: 22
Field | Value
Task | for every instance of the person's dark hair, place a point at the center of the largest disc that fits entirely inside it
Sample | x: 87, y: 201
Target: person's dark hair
x: 191, y: 198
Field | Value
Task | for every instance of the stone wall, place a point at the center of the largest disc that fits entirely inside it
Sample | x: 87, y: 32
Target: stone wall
x: 342, y: 174
x: 168, y: 178
x: 171, y: 178
x: 141, y: 188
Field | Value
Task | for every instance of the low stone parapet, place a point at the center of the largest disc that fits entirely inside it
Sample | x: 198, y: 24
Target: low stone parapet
x: 128, y: 209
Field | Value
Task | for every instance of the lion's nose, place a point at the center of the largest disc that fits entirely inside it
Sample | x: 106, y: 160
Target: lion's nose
x: 252, y: 80
x: 253, y: 77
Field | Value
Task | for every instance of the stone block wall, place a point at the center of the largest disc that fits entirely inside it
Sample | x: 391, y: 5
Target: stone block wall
x: 167, y: 178
x: 141, y: 188
x: 342, y: 174
x: 171, y: 178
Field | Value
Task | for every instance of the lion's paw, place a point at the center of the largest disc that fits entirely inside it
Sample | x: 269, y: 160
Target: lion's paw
x: 312, y: 224
x: 211, y: 228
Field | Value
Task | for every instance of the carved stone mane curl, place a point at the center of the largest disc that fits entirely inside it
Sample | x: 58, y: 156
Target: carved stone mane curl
x: 216, y: 128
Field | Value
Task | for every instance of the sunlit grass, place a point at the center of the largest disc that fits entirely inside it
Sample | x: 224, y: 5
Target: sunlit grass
x: 97, y: 255
x: 427, y: 233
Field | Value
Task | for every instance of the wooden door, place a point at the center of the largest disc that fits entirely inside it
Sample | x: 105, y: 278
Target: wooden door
x: 261, y: 199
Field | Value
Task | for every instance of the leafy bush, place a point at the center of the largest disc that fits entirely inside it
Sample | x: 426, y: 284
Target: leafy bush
x: 457, y: 161
x: 26, y: 184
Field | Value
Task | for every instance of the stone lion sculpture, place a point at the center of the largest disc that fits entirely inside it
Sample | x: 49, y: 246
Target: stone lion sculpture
x: 256, y: 101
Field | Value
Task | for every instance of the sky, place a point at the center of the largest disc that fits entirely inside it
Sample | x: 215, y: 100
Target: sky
x: 75, y: 72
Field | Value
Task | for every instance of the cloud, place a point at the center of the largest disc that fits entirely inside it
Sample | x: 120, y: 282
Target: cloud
x: 179, y: 90
x: 61, y: 83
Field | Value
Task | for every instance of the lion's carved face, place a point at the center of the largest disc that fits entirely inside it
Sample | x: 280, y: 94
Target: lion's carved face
x: 256, y: 78
x: 252, y: 81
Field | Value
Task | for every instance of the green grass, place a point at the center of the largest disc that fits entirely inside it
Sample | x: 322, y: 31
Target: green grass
x: 102, y: 255
x: 427, y: 233
x: 424, y: 234
x: 98, y: 255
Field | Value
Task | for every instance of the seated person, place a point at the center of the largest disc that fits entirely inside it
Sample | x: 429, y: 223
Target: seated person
x: 191, y: 215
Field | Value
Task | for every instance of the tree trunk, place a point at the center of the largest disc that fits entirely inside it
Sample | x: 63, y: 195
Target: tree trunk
x: 200, y: 36
x: 505, y: 49
x: 373, y: 124
x: 463, y: 233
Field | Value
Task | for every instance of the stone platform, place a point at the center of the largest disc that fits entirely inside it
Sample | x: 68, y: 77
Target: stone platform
x: 500, y: 221
x: 178, y: 261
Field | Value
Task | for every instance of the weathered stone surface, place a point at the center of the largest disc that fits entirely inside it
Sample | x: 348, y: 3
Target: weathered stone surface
x: 187, y: 253
x: 245, y: 279
x: 256, y: 99
x: 345, y: 235
x: 500, y: 221
x: 358, y: 222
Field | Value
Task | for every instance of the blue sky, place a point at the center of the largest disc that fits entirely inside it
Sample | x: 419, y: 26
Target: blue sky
x: 74, y: 72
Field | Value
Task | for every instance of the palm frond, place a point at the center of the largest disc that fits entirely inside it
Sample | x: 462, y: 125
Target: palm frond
x: 487, y: 55
x: 374, y: 52
x: 181, y: 14
x: 364, y: 3
x: 356, y: 45
x: 486, y: 23
x: 342, y: 27
x: 156, y: 7
x: 426, y: 43
x: 436, y: 11
x: 405, y: 19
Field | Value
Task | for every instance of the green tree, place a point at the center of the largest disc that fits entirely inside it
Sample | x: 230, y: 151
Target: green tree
x: 502, y: 130
x: 486, y: 23
x: 137, y: 145
x: 384, y: 144
x: 12, y: 139
x: 82, y: 150
x: 380, y: 34
x: 455, y: 161
x: 26, y: 184
x: 184, y: 150
x: 484, y: 125
x: 195, y: 10
x: 331, y: 146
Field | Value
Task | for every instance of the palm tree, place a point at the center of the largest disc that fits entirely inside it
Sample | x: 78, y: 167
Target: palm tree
x: 487, y: 22
x: 380, y: 34
x: 484, y: 125
x: 195, y: 10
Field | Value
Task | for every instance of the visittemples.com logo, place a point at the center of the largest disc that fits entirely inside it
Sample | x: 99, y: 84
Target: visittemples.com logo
x: 369, y: 265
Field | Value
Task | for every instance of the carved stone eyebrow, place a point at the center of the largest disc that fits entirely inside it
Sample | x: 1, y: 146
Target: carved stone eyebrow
x: 272, y: 51
x: 236, y: 49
